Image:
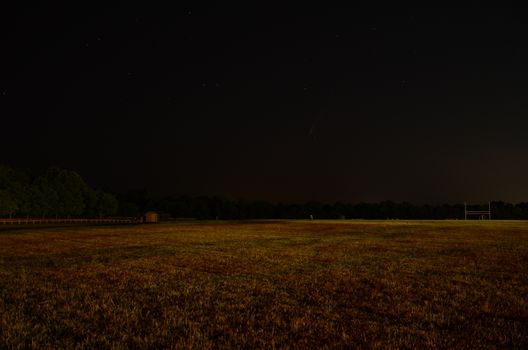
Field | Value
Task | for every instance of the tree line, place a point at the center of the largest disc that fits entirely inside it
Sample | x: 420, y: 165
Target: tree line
x: 218, y: 207
x: 55, y: 192
x: 63, y: 193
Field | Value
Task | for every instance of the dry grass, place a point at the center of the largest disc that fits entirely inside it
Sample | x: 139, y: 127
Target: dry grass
x: 269, y: 284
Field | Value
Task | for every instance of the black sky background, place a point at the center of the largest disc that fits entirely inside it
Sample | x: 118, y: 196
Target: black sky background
x: 420, y: 104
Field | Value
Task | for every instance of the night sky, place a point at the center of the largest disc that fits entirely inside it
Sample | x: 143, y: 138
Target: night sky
x: 278, y: 103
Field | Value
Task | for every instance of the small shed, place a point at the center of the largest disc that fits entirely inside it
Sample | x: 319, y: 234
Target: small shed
x: 150, y: 217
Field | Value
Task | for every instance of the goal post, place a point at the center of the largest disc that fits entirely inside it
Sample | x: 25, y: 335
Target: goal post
x: 482, y: 214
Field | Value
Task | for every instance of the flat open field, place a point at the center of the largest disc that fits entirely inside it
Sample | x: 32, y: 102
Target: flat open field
x: 274, y: 284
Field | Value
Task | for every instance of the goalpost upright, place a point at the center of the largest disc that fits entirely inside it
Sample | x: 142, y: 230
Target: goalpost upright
x: 481, y: 213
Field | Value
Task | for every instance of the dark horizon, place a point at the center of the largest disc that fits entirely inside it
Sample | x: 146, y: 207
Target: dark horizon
x: 145, y: 194
x: 354, y: 104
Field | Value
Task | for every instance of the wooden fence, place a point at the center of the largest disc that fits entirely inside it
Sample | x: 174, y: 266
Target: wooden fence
x: 37, y: 221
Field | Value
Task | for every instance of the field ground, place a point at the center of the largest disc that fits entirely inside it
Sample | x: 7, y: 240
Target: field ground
x: 271, y: 284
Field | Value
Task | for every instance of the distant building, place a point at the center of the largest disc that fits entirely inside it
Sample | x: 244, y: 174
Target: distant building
x: 150, y: 217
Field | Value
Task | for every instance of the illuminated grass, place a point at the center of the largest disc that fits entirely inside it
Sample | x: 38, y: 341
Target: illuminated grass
x: 266, y: 284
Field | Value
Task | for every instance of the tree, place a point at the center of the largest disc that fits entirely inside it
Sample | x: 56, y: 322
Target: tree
x: 70, y: 189
x: 15, y: 184
x: 8, y: 206
x: 128, y: 209
x: 107, y: 204
x: 44, y: 198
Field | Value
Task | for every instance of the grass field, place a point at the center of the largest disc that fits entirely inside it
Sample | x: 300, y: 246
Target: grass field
x: 274, y: 284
